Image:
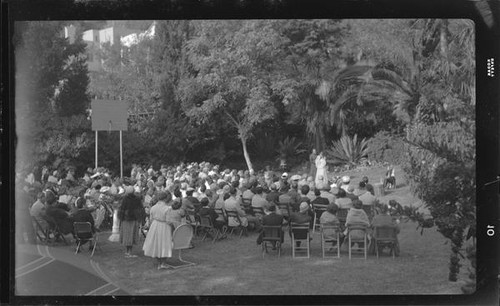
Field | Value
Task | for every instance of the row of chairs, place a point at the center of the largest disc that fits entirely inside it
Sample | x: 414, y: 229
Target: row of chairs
x: 330, y: 234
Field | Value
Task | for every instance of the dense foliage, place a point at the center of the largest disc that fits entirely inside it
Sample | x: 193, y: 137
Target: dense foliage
x: 347, y: 151
x: 229, y: 91
x: 51, y: 95
x: 386, y: 148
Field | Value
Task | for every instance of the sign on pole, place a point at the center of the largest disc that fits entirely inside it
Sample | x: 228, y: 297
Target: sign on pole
x: 110, y: 115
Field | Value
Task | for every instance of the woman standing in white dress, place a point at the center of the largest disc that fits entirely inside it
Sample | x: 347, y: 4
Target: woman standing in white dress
x: 158, y: 243
x: 321, y: 173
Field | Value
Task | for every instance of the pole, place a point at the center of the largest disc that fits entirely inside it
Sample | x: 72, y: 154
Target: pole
x: 96, y: 149
x: 121, y: 155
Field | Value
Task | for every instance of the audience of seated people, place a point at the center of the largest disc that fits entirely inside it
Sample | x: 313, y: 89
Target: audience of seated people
x: 204, y: 188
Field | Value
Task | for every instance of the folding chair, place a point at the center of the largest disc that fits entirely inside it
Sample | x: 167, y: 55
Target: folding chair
x: 357, y: 234
x: 54, y: 229
x: 385, y: 236
x: 246, y: 205
x: 318, y: 210
x: 223, y: 218
x: 233, y: 215
x: 300, y: 233
x: 258, y: 212
x: 42, y: 232
x: 369, y: 211
x: 330, y: 234
x: 83, y: 233
x: 208, y: 227
x: 273, y: 235
x: 193, y: 219
x: 284, y: 208
x: 181, y: 240
x: 342, y: 216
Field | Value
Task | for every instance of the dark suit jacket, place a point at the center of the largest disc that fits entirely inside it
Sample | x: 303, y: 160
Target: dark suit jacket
x: 83, y: 215
x: 272, y: 219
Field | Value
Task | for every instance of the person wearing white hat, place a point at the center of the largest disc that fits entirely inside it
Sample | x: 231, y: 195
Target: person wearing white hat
x: 345, y: 183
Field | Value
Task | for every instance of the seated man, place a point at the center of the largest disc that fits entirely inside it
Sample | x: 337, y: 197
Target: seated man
x: 271, y: 218
x: 37, y: 211
x: 385, y: 219
x: 231, y: 204
x: 56, y: 216
x: 83, y: 215
x: 205, y: 210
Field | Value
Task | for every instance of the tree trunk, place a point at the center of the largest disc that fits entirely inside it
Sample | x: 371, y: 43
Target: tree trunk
x: 245, y: 153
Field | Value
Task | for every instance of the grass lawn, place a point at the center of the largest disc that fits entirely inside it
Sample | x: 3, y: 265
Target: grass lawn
x: 235, y: 266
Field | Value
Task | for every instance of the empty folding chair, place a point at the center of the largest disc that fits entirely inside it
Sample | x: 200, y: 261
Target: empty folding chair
x: 83, y: 233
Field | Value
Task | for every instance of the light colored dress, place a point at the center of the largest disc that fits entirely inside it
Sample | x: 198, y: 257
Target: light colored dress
x: 321, y: 173
x: 158, y: 243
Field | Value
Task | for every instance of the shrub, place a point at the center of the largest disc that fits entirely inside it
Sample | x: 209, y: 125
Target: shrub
x: 347, y: 150
x: 384, y: 147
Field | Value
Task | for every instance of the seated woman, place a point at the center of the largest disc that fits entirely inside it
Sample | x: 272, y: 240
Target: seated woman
x: 329, y: 217
x: 174, y: 216
x: 382, y: 220
x: 357, y: 216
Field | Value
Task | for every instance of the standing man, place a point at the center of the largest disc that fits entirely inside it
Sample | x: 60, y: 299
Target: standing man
x: 312, y: 162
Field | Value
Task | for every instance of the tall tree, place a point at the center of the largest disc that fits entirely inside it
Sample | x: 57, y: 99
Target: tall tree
x: 233, y: 64
x: 43, y: 57
x: 312, y: 52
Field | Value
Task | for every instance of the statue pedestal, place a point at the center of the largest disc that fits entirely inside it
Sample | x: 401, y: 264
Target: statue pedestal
x: 115, y: 233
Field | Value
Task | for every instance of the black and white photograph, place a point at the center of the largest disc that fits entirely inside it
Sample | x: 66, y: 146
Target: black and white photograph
x: 247, y: 157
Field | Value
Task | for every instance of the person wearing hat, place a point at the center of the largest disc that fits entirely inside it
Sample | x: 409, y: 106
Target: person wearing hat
x: 302, y: 216
x: 284, y: 185
x: 345, y: 183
